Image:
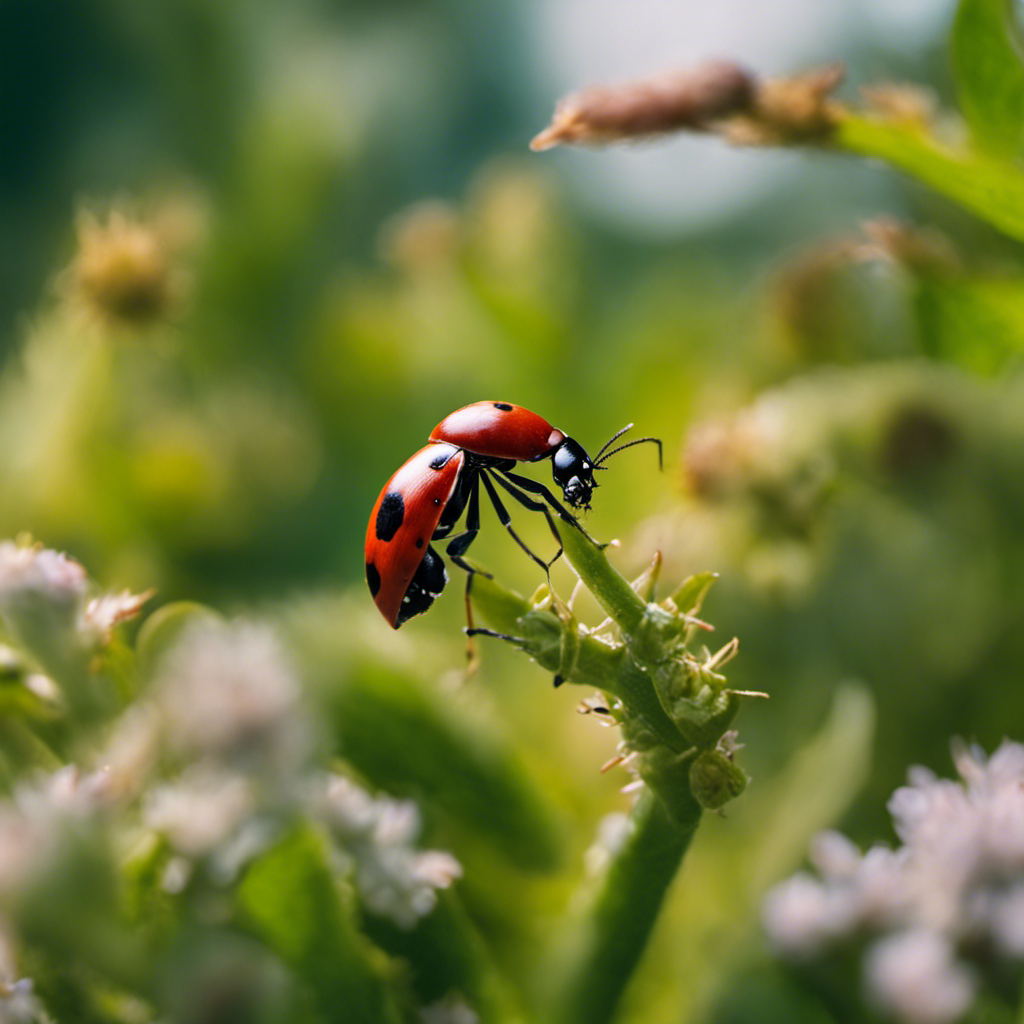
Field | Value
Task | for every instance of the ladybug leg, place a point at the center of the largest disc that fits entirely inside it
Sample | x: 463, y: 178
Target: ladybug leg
x: 538, y: 488
x: 456, y: 548
x: 459, y: 544
x: 518, y: 641
x: 506, y: 519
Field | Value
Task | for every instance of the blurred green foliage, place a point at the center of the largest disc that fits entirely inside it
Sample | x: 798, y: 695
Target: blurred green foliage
x: 252, y: 253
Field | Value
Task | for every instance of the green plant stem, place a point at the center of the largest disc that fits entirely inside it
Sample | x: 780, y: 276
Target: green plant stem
x: 612, y: 590
x: 597, y: 664
x: 617, y: 925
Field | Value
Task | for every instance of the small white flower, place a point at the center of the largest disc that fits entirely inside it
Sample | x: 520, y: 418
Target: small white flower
x: 1006, y: 921
x: 35, y: 820
x: 915, y: 976
x: 436, y: 868
x: 41, y: 572
x: 201, y: 809
x: 834, y: 855
x: 103, y: 613
x: 881, y: 886
x: 42, y: 595
x: 62, y: 796
x: 394, y: 879
x: 1005, y: 768
x: 228, y: 689
x: 19, y: 1003
x: 451, y: 1010
x: 956, y: 882
x: 801, y: 915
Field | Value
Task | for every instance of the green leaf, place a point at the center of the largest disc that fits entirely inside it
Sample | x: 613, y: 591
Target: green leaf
x: 988, y: 187
x: 404, y: 741
x: 164, y: 627
x: 445, y: 953
x: 689, y: 597
x: 291, y: 900
x: 976, y: 323
x: 989, y: 75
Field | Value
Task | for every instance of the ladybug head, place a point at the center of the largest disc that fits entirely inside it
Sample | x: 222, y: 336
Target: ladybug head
x: 573, y: 470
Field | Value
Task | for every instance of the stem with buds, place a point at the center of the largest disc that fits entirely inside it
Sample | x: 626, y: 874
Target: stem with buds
x: 674, y: 709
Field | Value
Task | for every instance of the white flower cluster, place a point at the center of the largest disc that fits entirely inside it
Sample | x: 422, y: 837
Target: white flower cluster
x: 228, y: 705
x: 43, y: 592
x: 229, y: 691
x: 450, y: 1010
x: 19, y: 1003
x: 956, y: 883
x: 395, y: 880
x: 26, y: 570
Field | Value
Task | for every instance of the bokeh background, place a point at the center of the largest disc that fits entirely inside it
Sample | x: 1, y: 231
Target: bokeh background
x: 342, y: 237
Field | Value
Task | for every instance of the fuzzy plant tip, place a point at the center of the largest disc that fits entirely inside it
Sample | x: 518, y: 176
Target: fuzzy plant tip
x: 665, y: 690
x: 719, y: 97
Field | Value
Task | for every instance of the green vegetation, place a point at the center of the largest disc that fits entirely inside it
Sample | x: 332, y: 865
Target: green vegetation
x: 246, y: 273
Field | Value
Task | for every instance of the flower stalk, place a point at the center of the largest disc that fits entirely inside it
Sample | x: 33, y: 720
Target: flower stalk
x: 616, y: 925
x: 674, y: 709
x: 673, y: 705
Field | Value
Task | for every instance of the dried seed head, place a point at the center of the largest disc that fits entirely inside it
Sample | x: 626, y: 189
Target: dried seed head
x: 693, y: 99
x: 921, y: 250
x: 425, y: 235
x: 790, y: 110
x: 123, y: 271
x: 910, y: 104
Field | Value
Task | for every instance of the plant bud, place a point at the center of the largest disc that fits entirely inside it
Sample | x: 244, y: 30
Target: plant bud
x: 715, y: 779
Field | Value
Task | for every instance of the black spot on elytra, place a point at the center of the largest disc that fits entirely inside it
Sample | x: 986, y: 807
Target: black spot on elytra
x: 390, y: 515
x: 372, y: 578
x: 419, y: 542
x: 503, y: 406
x: 440, y: 461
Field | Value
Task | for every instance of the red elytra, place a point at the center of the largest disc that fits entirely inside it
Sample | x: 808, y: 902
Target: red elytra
x: 401, y: 527
x: 476, y: 445
x: 499, y: 430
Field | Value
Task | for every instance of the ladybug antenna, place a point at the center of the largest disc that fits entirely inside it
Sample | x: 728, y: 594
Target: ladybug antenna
x: 629, y: 444
x: 611, y: 440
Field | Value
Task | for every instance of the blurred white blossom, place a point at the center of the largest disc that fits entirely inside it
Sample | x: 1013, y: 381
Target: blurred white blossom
x: 956, y: 885
x: 915, y: 975
x: 19, y: 1003
x: 105, y: 612
x: 394, y: 879
x: 35, y: 820
x: 37, y: 571
x: 450, y: 1010
x: 802, y: 914
x: 200, y: 809
x: 44, y: 602
x: 42, y: 596
x: 229, y: 690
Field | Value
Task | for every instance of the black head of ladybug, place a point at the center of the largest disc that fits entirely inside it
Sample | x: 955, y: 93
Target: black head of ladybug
x: 573, y: 470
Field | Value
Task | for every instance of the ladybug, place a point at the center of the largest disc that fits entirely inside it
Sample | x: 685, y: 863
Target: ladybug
x: 477, y: 444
